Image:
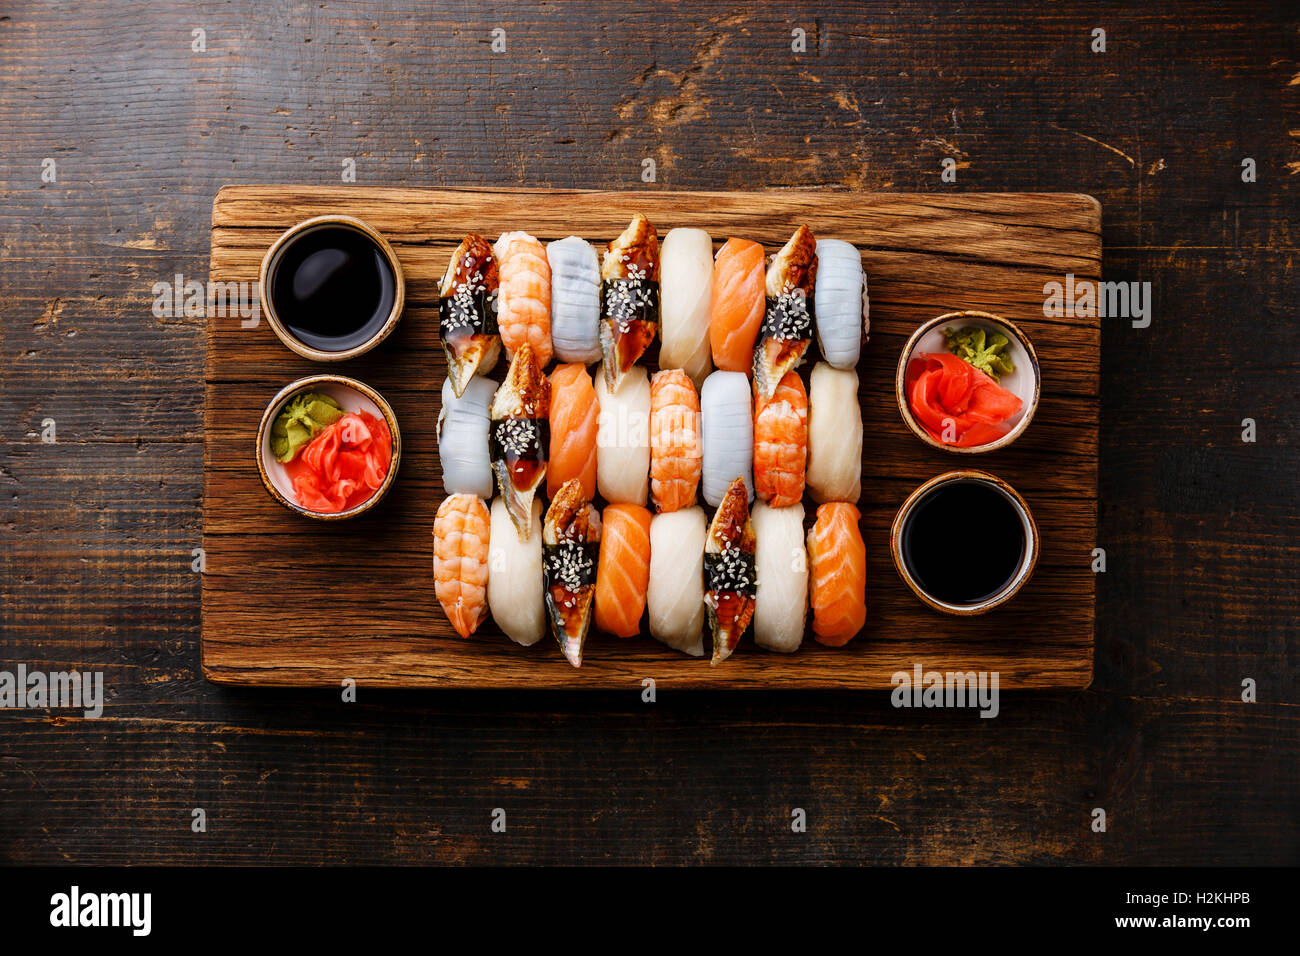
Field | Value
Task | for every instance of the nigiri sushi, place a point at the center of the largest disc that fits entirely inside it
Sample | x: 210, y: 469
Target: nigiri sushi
x: 686, y: 286
x: 675, y: 452
x: 736, y: 304
x: 629, y: 309
x: 463, y: 438
x: 788, y: 320
x: 623, y: 570
x: 524, y: 299
x: 837, y: 562
x: 570, y: 544
x: 781, y: 602
x: 623, y: 439
x: 519, y: 441
x: 467, y: 312
x: 675, y: 592
x: 514, y: 589
x: 727, y: 435
x: 461, y: 531
x: 834, y: 435
x: 730, y: 577
x: 843, y: 308
x: 781, y: 443
x: 574, y: 416
x: 575, y: 300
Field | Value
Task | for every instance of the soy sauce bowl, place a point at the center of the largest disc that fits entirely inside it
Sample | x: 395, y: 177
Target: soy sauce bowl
x: 1025, y: 382
x: 352, y: 396
x: 1017, y: 576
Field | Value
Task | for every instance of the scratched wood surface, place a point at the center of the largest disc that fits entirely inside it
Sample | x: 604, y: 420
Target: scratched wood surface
x: 924, y: 255
x: 1202, y: 588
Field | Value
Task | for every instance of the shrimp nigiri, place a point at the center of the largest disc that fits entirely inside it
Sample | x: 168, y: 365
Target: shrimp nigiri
x: 461, y: 533
x: 520, y: 415
x: 570, y: 542
x: 837, y: 565
x: 623, y: 571
x: 629, y: 309
x: 575, y: 411
x: 524, y: 299
x: 781, y: 443
x: 736, y: 304
x: 788, y: 320
x: 467, y: 312
x: 675, y: 451
x: 730, y: 580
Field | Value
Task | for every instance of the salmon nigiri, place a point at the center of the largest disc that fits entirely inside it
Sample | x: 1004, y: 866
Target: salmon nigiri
x: 787, y: 321
x: 837, y: 566
x: 467, y: 309
x: 675, y: 451
x: 524, y: 296
x: 730, y: 581
x: 575, y: 414
x: 461, y: 533
x: 737, y: 304
x: 623, y: 571
x: 629, y: 303
x: 570, y: 541
x: 781, y: 443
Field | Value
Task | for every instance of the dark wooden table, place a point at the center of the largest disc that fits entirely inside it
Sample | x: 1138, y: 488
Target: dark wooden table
x: 1201, y: 529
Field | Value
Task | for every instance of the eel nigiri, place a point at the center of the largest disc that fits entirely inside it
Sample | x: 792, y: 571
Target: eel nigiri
x: 574, y: 414
x: 629, y: 309
x: 727, y: 435
x: 520, y: 415
x: 524, y: 299
x: 788, y: 320
x: 675, y: 452
x: 781, y: 603
x: 834, y: 435
x: 514, y: 590
x: 460, y: 561
x: 570, y: 543
x: 781, y: 443
x: 623, y: 439
x: 843, y: 308
x: 623, y: 570
x: 467, y: 312
x: 463, y: 438
x: 686, y: 286
x: 730, y: 576
x: 736, y: 304
x: 675, y: 593
x: 575, y: 299
x: 837, y: 561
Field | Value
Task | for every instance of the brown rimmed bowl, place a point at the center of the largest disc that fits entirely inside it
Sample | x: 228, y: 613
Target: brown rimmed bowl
x: 276, y: 252
x: 1025, y: 382
x: 352, y: 396
x: 1028, y: 559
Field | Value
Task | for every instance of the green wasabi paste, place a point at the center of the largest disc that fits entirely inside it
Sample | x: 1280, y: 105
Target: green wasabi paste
x: 983, y: 350
x: 300, y: 421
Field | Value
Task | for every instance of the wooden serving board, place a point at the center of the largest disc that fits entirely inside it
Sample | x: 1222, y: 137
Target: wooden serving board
x: 288, y: 601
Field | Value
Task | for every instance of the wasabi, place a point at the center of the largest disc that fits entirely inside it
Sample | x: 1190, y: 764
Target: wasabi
x: 301, y: 420
x: 980, y: 349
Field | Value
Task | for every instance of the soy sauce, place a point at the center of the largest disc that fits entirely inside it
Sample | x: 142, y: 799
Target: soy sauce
x: 332, y: 288
x: 963, y: 542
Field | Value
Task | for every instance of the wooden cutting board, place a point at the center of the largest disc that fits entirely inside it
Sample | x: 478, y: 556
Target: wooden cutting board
x: 288, y: 601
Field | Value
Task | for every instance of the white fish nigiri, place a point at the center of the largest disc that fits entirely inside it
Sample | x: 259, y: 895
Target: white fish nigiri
x: 463, y: 438
x: 727, y: 434
x: 514, y: 590
x: 575, y: 300
x: 834, y: 435
x: 685, y: 288
x: 843, y: 308
x: 675, y: 595
x: 781, y: 562
x: 623, y: 438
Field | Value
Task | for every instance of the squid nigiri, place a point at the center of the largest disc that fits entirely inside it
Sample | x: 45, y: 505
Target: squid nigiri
x: 575, y: 412
x: 781, y: 443
x: 686, y: 286
x: 570, y: 542
x: 463, y: 438
x: 514, y: 589
x: 736, y: 304
x: 520, y: 424
x: 843, y: 308
x: 675, y: 452
x: 675, y: 592
x: 837, y: 560
x: 781, y: 602
x: 788, y: 320
x: 467, y: 312
x: 461, y: 532
x: 834, y: 435
x: 623, y: 439
x: 524, y: 299
x: 727, y: 435
x: 575, y: 300
x: 629, y: 309
x: 623, y: 569
x: 730, y: 577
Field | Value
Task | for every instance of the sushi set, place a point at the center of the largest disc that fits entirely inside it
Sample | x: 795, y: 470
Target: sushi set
x: 670, y: 433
